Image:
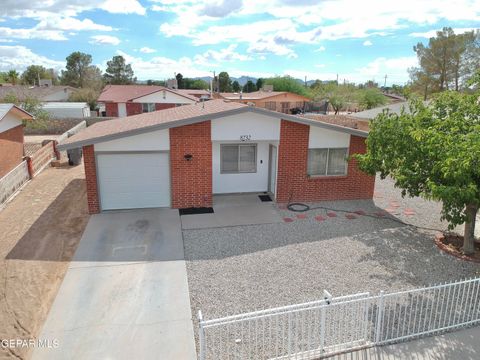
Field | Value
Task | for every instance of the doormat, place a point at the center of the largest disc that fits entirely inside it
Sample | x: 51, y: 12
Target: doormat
x: 265, y: 198
x: 194, y: 211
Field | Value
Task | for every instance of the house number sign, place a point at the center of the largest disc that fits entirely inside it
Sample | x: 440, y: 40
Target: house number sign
x: 245, y: 137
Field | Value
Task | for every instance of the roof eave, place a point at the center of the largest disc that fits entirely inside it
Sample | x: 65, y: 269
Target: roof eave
x: 213, y: 116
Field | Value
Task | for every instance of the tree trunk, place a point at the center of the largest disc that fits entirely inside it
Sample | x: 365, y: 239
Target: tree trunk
x: 469, y: 233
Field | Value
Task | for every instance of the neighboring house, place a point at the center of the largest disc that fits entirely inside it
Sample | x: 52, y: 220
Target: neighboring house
x: 126, y: 100
x: 11, y: 136
x: 181, y: 157
x: 280, y: 101
x: 60, y: 110
x: 200, y: 94
x: 41, y: 93
x: 395, y: 108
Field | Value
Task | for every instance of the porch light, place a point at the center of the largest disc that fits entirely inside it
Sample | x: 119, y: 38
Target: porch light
x: 188, y: 157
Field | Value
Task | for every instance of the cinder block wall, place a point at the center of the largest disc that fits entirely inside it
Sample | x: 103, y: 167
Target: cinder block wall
x: 191, y: 180
x: 293, y: 184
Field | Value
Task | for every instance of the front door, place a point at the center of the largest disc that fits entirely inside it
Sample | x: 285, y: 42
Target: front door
x: 272, y: 170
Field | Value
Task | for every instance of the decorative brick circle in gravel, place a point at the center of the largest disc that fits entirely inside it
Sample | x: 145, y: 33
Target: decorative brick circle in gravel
x: 319, y: 218
x: 451, y: 244
x: 409, y: 212
x: 350, y: 216
x: 331, y: 214
x: 301, y: 216
x: 287, y: 219
x: 394, y: 204
x: 360, y: 212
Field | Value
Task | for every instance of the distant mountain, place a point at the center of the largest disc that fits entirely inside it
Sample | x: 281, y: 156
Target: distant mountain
x: 242, y: 80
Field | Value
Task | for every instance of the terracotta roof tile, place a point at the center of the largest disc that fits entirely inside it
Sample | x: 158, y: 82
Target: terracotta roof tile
x: 124, y: 93
x: 342, y: 120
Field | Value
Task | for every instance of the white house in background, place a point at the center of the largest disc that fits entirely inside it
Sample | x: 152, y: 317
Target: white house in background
x: 60, y: 110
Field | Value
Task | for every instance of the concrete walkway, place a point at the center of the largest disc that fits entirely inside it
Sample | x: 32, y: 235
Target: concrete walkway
x: 234, y: 210
x: 125, y: 294
x: 458, y: 345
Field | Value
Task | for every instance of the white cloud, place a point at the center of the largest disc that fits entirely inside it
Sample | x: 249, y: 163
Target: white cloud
x: 7, y: 32
x: 367, y: 43
x: 104, y: 40
x: 321, y: 48
x: 224, y: 55
x: 394, y: 68
x: 69, y: 23
x: 160, y: 67
x: 147, y: 50
x: 432, y: 33
x: 222, y: 8
x: 123, y: 7
x: 320, y: 66
x: 20, y: 57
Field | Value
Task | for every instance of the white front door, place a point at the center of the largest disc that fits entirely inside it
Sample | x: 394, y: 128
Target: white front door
x: 272, y: 170
x: 133, y: 180
x: 122, y: 109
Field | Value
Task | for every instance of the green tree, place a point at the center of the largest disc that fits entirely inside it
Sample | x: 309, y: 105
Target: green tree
x: 32, y: 105
x: 371, y: 97
x: 198, y: 84
x: 249, y: 87
x: 118, y: 72
x: 259, y: 83
x: 432, y: 152
x: 77, y: 69
x: 33, y: 73
x: 447, y: 62
x: 87, y: 95
x: 338, y: 96
x: 236, y: 86
x: 287, y: 83
x: 225, y: 83
x: 12, y: 76
x: 180, y: 84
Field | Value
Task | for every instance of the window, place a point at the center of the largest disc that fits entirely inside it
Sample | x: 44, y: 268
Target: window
x: 148, y: 107
x: 285, y: 107
x: 271, y: 105
x: 238, y: 158
x: 323, y: 162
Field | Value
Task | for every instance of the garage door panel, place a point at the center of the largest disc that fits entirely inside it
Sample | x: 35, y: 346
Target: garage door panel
x: 128, y: 181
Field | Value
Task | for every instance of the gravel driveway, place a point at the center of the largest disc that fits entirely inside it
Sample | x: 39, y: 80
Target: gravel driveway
x: 245, y: 268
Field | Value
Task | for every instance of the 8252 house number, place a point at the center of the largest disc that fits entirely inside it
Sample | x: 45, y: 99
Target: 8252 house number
x: 245, y: 137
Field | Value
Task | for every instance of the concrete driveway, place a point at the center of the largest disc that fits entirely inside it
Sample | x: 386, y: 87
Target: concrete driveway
x: 125, y: 294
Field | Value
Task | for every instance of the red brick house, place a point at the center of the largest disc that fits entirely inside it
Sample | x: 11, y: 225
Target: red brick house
x: 181, y: 157
x: 11, y: 136
x: 127, y: 100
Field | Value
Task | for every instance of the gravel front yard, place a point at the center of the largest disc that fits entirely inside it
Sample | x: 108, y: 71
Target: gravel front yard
x: 245, y: 268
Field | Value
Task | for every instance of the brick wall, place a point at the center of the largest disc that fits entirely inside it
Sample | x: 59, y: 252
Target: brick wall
x: 133, y: 108
x: 191, y: 180
x: 161, y: 106
x: 91, y: 179
x: 293, y: 184
x: 111, y: 109
x: 11, y: 149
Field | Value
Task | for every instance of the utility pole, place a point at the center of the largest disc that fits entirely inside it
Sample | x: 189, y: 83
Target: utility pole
x: 337, y: 79
x: 305, y: 80
x: 385, y: 83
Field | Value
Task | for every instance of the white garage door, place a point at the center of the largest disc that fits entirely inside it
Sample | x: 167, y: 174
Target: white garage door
x: 129, y: 181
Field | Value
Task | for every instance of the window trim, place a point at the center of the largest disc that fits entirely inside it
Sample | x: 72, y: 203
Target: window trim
x: 149, y: 106
x: 326, y: 175
x: 238, y: 160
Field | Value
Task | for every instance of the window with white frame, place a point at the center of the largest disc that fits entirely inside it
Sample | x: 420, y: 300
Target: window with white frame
x: 327, y: 162
x: 148, y: 107
x: 238, y: 158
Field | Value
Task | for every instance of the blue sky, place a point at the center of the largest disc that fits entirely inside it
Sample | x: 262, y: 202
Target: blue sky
x: 358, y: 40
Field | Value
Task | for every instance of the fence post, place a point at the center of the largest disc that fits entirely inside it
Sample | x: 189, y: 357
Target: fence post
x: 29, y: 166
x: 380, y: 311
x: 322, y: 326
x: 201, y: 336
x: 56, y: 152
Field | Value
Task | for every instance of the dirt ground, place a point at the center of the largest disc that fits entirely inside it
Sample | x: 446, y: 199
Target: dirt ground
x: 39, y: 232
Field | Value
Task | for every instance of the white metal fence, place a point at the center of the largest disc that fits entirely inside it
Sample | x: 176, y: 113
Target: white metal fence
x: 334, y: 325
x: 13, y: 181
